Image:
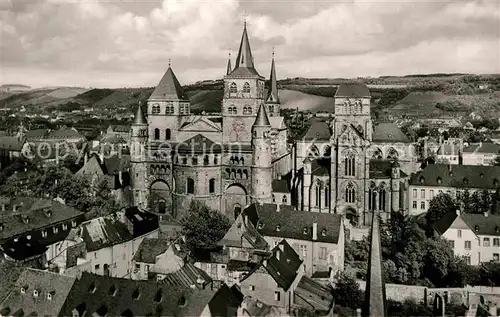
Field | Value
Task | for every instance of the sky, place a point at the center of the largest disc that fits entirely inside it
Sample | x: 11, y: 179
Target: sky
x: 128, y: 43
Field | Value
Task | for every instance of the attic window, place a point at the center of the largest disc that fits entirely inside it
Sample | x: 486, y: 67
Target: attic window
x: 497, y: 229
x: 277, y: 227
x: 422, y: 180
x: 465, y: 181
x: 136, y: 294
x: 304, y: 231
x: 35, y: 293
x: 1, y: 226
x: 439, y: 180
x: 476, y: 228
x: 260, y: 225
x: 50, y: 295
x: 24, y: 289
x: 323, y: 232
x: 182, y: 301
x: 481, y: 175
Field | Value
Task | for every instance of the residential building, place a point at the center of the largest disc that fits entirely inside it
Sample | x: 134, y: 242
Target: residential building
x: 475, y: 237
x: 281, y: 192
x: 449, y: 153
x: 12, y: 147
x: 438, y: 178
x: 31, y: 228
x: 483, y: 153
x: 105, y: 245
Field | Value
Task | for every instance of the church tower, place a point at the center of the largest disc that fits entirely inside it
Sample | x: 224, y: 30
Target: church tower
x: 273, y: 99
x: 243, y: 95
x: 138, y: 166
x: 229, y: 68
x: 261, y: 158
x: 167, y: 106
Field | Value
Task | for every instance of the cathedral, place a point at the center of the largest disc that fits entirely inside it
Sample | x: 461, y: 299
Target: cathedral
x: 226, y: 161
x: 240, y: 156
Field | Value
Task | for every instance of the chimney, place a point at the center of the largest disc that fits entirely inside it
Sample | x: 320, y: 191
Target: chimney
x: 85, y: 158
x: 486, y: 214
x: 458, y: 212
x: 282, y: 248
x: 315, y: 231
x: 264, y: 263
x: 246, y: 220
x: 358, y: 312
x: 120, y: 177
x: 278, y: 254
x: 277, y: 207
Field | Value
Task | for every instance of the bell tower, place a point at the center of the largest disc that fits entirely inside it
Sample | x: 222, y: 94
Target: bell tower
x: 261, y: 158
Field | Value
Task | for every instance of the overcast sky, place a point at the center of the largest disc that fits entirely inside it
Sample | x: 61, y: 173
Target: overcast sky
x: 127, y: 43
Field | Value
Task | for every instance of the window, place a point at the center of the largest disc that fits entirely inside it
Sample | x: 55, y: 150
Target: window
x: 327, y: 196
x: 486, y: 242
x: 252, y: 287
x: 65, y: 226
x: 168, y: 134
x: 414, y: 204
x: 496, y: 242
x: 233, y: 88
x: 422, y: 193
x: 350, y: 167
x: 322, y: 253
x: 350, y: 193
x: 157, y: 134
x: 318, y: 195
x: 155, y: 109
x: 431, y: 193
x: 451, y: 243
x: 190, y: 186
x: 55, y: 229
x: 467, y: 259
x: 247, y: 109
x: 211, y: 186
x: 303, y: 250
x: 277, y: 296
x: 271, y: 109
x: 422, y: 205
x: 194, y: 160
x: 284, y: 199
x: 44, y: 234
x: 459, y: 233
x: 414, y: 193
x: 96, y: 267
x: 381, y: 199
x: 216, y: 160
x: 206, y: 160
x: 467, y: 245
x: 246, y: 88
x: 274, y: 198
x: 146, y: 269
x: 495, y: 257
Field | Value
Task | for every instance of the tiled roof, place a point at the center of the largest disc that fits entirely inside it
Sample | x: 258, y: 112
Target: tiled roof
x: 37, y: 134
x: 318, y: 130
x: 11, y: 143
x: 320, y: 167
x: 36, y: 218
x: 261, y: 120
x: 449, y: 149
x: 52, y: 291
x: 244, y: 65
x: 169, y: 88
x: 120, y: 128
x: 489, y: 225
x: 353, y: 90
x: 240, y: 266
x: 243, y: 230
x: 318, y: 296
x: 198, y: 144
x: 64, y: 133
x: 103, y: 232
x: 149, y: 249
x: 389, y: 132
x: 256, y: 308
x: 117, y: 295
x: 226, y: 301
x: 280, y: 186
x: 445, y: 222
x: 294, y: 224
x: 381, y: 169
x: 10, y: 273
x: 117, y: 163
x: 188, y: 276
x: 462, y: 176
x: 486, y: 147
x: 283, y: 267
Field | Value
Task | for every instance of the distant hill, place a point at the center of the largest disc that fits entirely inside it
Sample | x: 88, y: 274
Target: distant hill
x: 40, y: 97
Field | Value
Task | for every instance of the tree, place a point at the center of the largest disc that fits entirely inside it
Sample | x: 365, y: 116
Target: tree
x: 203, y: 227
x: 104, y: 202
x: 439, y: 206
x: 347, y: 292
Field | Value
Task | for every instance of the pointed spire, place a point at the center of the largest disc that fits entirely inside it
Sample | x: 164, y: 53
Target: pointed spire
x: 273, y: 95
x: 262, y: 119
x: 139, y: 118
x: 229, y: 68
x: 169, y: 87
x: 375, y: 298
x: 244, y: 61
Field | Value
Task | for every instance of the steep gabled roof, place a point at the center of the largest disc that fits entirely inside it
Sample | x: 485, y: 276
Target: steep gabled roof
x: 389, y: 132
x: 169, y: 88
x: 318, y: 130
x: 262, y: 120
x: 283, y: 264
x: 273, y: 96
x: 139, y: 118
x: 352, y: 90
x: 244, y: 62
x: 463, y: 176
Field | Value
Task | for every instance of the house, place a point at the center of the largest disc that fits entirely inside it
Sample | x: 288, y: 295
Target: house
x: 105, y: 245
x: 12, y: 147
x: 483, y: 153
x: 94, y: 295
x: 9, y: 272
x: 318, y: 238
x: 281, y: 192
x: 251, y: 307
x: 279, y: 281
x: 31, y: 228
x: 440, y: 178
x: 449, y: 153
x: 476, y: 237
x: 37, y: 293
x: 215, y: 264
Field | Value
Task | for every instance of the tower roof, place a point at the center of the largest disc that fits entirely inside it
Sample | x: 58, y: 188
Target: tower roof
x: 244, y: 62
x: 139, y: 116
x: 229, y: 68
x: 273, y: 95
x: 169, y: 88
x: 262, y: 119
x: 375, y: 298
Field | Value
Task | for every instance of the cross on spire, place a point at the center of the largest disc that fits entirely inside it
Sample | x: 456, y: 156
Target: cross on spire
x: 273, y: 51
x: 169, y: 62
x: 245, y: 15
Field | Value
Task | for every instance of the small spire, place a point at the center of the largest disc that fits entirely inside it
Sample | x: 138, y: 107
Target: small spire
x: 273, y: 52
x: 273, y: 95
x: 229, y: 68
x: 139, y: 118
x: 262, y: 120
x: 169, y: 62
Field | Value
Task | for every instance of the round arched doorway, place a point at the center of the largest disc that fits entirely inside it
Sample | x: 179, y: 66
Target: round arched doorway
x: 160, y: 197
x: 236, y: 198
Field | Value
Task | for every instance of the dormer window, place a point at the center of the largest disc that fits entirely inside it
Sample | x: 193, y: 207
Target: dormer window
x: 24, y: 289
x: 182, y: 301
x: 481, y: 175
x: 44, y: 233
x: 497, y: 229
x: 476, y: 228
x: 260, y: 225
x: 73, y: 223
x: 50, y: 295
x: 495, y: 182
x: 323, y: 232
x: 158, y: 296
x: 112, y: 290
x: 422, y: 180
x: 35, y: 293
x: 1, y: 226
x: 278, y: 227
x: 55, y: 229
x: 439, y: 180
x: 304, y: 231
x: 65, y: 226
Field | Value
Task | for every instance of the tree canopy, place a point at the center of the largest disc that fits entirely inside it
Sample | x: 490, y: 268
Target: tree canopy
x: 203, y: 227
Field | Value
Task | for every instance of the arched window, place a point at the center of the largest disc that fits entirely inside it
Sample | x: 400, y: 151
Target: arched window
x: 381, y: 199
x: 274, y: 198
x: 194, y: 160
x: 155, y: 109
x: 211, y: 186
x: 242, y: 161
x: 372, y: 194
x: 350, y: 164
x: 346, y: 107
x: 284, y: 199
x: 157, y: 134
x: 377, y: 154
x: 247, y: 110
x: 318, y: 194
x: 233, y: 88
x: 168, y: 134
x: 327, y: 196
x: 190, y: 186
x: 205, y: 160
x: 216, y: 159
x: 245, y: 174
x: 271, y: 109
x: 358, y: 106
x: 235, y: 111
x: 239, y: 174
x: 313, y: 152
x: 246, y: 87
x: 393, y: 154
x: 350, y: 193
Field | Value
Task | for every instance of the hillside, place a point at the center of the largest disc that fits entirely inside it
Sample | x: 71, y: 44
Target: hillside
x: 40, y: 96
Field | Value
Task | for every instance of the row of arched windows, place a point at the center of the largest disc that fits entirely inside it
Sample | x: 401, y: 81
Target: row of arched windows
x: 350, y: 164
x: 392, y: 154
x: 236, y: 160
x: 247, y: 110
x: 350, y: 108
x: 233, y: 110
x: 193, y: 160
x: 377, y: 197
x: 284, y: 199
x: 168, y: 134
x: 322, y: 195
x: 233, y: 88
x: 237, y: 173
x: 159, y: 169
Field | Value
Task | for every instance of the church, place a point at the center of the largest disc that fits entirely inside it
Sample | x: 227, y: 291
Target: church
x: 226, y: 161
x: 343, y: 165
